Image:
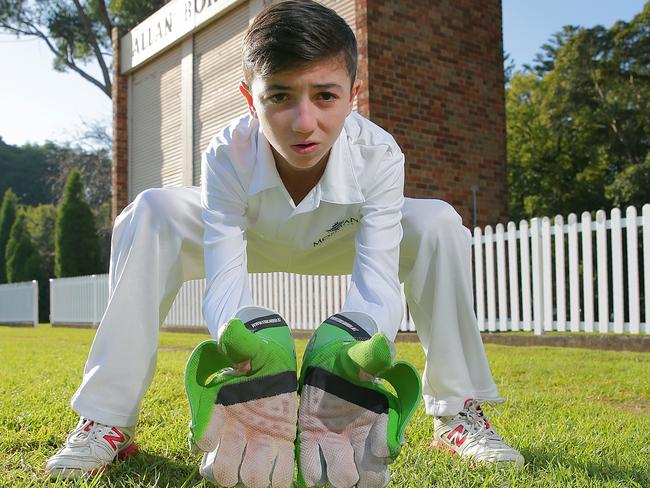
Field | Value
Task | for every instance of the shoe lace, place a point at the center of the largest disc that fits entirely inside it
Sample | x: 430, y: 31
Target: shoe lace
x: 479, y: 426
x: 84, y: 431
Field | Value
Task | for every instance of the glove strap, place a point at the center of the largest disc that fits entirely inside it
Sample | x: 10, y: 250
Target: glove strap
x: 200, y: 381
x: 405, y: 379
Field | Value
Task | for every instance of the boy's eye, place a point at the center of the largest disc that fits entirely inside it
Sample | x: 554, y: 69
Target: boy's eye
x: 278, y: 98
x: 327, y: 96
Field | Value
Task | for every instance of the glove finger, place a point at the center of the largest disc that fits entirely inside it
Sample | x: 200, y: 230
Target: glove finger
x: 373, y: 475
x: 377, y: 437
x: 371, y: 453
x: 213, y: 431
x: 225, y: 467
x: 339, y: 460
x: 238, y: 343
x: 283, y: 470
x: 309, y: 460
x: 205, y: 468
x: 258, y: 460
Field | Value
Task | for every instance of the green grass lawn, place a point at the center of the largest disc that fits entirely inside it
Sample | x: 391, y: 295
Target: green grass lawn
x: 580, y: 417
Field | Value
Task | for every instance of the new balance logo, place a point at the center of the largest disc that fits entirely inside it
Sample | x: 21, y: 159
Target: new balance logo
x: 457, y: 436
x: 111, y: 439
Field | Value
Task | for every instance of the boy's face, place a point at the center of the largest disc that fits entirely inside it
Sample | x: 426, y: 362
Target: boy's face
x: 301, y: 112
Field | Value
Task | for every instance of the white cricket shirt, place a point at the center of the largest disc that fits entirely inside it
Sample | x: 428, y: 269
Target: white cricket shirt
x: 348, y: 223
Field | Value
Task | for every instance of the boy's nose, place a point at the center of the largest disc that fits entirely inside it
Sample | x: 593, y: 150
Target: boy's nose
x: 305, y: 119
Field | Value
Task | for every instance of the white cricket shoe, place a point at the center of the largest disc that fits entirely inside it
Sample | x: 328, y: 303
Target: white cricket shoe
x: 90, y: 448
x: 470, y: 435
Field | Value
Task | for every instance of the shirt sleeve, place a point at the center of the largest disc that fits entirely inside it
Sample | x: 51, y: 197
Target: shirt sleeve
x: 224, y: 205
x: 375, y: 288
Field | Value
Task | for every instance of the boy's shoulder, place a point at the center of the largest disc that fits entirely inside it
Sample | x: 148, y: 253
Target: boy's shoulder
x: 364, y: 133
x: 234, y: 148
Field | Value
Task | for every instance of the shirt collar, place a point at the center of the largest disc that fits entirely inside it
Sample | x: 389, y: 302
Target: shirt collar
x: 339, y: 182
x: 265, y: 174
x: 337, y: 185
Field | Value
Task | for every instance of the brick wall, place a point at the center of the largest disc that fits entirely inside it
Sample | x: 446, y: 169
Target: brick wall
x: 119, y: 176
x: 434, y: 79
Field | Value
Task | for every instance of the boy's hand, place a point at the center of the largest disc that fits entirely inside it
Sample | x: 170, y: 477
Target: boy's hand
x: 242, y: 394
x: 350, y: 426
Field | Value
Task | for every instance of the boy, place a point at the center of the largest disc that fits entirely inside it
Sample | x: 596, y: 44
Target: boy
x: 303, y: 185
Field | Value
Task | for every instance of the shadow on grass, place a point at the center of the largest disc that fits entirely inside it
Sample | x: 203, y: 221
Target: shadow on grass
x: 145, y: 469
x: 599, y: 469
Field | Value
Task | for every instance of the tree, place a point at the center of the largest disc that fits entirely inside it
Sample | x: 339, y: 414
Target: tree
x: 77, y: 32
x: 76, y: 244
x: 40, y: 222
x: 7, y: 218
x: 37, y: 174
x: 94, y: 166
x: 579, y: 118
x: 630, y: 187
x: 25, y: 169
x: 24, y: 263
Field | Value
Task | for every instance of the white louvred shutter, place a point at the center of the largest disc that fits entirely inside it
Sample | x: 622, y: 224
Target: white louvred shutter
x: 217, y: 73
x: 155, y: 125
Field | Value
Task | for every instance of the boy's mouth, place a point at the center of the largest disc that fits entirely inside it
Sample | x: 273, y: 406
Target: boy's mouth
x: 304, y: 148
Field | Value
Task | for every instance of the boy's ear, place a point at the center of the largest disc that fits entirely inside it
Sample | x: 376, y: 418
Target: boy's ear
x: 356, y: 88
x: 245, y: 90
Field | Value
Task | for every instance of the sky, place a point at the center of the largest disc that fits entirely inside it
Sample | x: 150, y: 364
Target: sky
x: 39, y: 104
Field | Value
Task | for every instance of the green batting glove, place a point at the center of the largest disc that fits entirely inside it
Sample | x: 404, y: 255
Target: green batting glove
x: 243, y: 403
x: 350, y: 426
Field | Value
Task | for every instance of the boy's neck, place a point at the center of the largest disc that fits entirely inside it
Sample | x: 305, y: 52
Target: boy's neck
x: 299, y: 182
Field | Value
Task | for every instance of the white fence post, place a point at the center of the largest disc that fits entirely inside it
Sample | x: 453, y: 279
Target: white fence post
x: 513, y: 279
x: 601, y: 272
x: 526, y: 303
x: 574, y: 277
x: 587, y: 272
x: 631, y: 232
x: 547, y: 274
x: 560, y: 275
x: 538, y: 284
x: 35, y: 303
x: 489, y: 279
x: 501, y: 279
x: 617, y: 271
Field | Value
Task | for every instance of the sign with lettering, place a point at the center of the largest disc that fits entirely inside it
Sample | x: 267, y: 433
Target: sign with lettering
x: 166, y: 26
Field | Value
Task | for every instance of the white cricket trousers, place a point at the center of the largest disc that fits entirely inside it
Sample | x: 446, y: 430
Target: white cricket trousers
x: 158, y: 244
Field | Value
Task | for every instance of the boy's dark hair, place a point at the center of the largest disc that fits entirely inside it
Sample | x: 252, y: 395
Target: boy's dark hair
x: 290, y: 34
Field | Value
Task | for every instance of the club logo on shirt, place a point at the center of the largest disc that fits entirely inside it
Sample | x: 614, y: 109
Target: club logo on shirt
x: 337, y: 226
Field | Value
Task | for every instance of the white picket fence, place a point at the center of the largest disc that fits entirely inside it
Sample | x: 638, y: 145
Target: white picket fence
x: 19, y: 303
x: 80, y: 300
x: 546, y: 280
x: 304, y: 301
x: 540, y: 276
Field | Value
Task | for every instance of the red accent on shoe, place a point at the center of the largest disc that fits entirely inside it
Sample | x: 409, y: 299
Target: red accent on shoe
x: 467, y: 402
x: 88, y: 426
x: 129, y: 450
x: 110, y: 438
x: 457, y: 436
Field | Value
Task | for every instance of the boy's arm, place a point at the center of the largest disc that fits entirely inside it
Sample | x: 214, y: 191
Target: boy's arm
x: 224, y: 216
x: 375, y: 289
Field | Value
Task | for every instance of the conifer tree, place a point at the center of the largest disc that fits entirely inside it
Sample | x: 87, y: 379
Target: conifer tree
x: 7, y: 219
x: 75, y: 237
x: 24, y: 263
